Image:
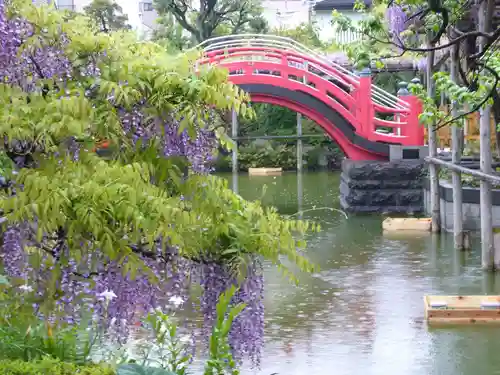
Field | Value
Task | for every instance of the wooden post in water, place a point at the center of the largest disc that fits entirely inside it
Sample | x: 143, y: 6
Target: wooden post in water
x: 456, y: 157
x: 433, y: 169
x: 299, y: 143
x: 234, y: 134
x: 300, y: 194
x: 487, y: 249
x: 300, y: 150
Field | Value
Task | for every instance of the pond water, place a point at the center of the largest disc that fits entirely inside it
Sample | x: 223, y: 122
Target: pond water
x: 363, y: 312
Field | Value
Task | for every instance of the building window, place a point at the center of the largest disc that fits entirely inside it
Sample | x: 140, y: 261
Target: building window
x: 147, y: 7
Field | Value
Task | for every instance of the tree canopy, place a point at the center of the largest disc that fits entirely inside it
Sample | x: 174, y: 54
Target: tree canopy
x: 214, y: 17
x: 107, y: 14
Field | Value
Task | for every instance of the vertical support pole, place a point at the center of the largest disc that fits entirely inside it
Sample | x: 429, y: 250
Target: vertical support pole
x: 433, y: 168
x: 456, y: 157
x: 364, y: 104
x: 300, y: 150
x: 235, y: 187
x: 413, y: 130
x: 403, y: 93
x: 300, y: 195
x: 416, y: 108
x: 234, y: 134
x: 299, y: 143
x: 487, y: 249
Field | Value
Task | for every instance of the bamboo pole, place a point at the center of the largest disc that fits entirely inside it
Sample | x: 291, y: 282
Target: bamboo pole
x: 471, y: 172
x: 433, y: 169
x: 234, y: 134
x: 300, y: 149
x: 299, y: 143
x: 300, y: 195
x: 487, y: 248
x: 456, y: 156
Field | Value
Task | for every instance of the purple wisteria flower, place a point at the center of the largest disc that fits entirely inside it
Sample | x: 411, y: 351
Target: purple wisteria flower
x: 92, y: 282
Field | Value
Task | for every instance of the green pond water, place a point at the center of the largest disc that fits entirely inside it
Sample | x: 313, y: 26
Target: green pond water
x: 363, y: 312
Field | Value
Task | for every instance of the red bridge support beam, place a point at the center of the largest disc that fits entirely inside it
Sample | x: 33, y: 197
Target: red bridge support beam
x: 364, y: 105
x: 350, y: 150
x: 413, y: 129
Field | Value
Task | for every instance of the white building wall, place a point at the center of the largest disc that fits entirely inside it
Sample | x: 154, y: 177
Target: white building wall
x: 326, y: 30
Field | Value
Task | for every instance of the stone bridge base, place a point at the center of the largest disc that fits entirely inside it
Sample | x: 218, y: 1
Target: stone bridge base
x: 382, y: 187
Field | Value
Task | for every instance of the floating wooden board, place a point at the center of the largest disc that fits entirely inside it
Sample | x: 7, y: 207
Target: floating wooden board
x: 462, y: 309
x: 406, y: 224
x: 265, y: 171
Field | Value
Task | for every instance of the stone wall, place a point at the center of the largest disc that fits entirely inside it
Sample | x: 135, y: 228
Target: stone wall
x: 382, y: 187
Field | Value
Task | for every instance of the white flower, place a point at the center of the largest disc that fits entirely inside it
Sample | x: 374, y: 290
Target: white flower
x: 176, y: 301
x: 26, y: 288
x: 108, y: 295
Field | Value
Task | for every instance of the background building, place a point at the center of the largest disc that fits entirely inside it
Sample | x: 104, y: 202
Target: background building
x: 278, y: 13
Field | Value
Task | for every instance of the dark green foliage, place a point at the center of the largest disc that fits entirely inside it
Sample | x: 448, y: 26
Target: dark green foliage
x: 6, y: 165
x: 280, y: 155
x: 275, y: 120
x: 305, y: 33
x: 107, y: 15
x: 389, y: 81
x: 214, y: 17
x: 220, y: 359
x: 170, y: 34
x: 52, y: 367
x: 272, y: 157
x: 25, y: 337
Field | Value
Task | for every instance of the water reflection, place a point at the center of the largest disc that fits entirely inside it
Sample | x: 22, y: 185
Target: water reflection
x: 362, y: 313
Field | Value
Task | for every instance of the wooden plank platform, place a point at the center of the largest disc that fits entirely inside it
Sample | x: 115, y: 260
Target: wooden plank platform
x: 406, y: 224
x: 265, y: 171
x: 462, y: 309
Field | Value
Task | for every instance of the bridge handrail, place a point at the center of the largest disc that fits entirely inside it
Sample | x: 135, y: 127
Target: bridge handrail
x: 379, y: 95
x: 280, y: 47
x: 324, y: 67
x: 242, y: 52
x: 239, y: 53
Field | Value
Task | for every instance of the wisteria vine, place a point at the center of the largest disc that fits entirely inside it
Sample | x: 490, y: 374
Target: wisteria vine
x: 398, y: 20
x: 96, y: 283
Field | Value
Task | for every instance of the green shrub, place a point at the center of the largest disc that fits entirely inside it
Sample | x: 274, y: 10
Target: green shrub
x: 52, y: 367
x: 275, y: 155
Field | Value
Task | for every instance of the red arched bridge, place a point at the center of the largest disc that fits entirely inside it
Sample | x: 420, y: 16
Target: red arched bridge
x: 362, y: 118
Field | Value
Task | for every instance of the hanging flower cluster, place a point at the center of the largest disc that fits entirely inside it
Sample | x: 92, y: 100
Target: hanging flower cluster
x: 116, y: 297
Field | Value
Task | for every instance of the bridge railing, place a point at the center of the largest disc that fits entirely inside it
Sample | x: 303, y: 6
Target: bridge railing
x: 354, y: 96
x: 379, y: 95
